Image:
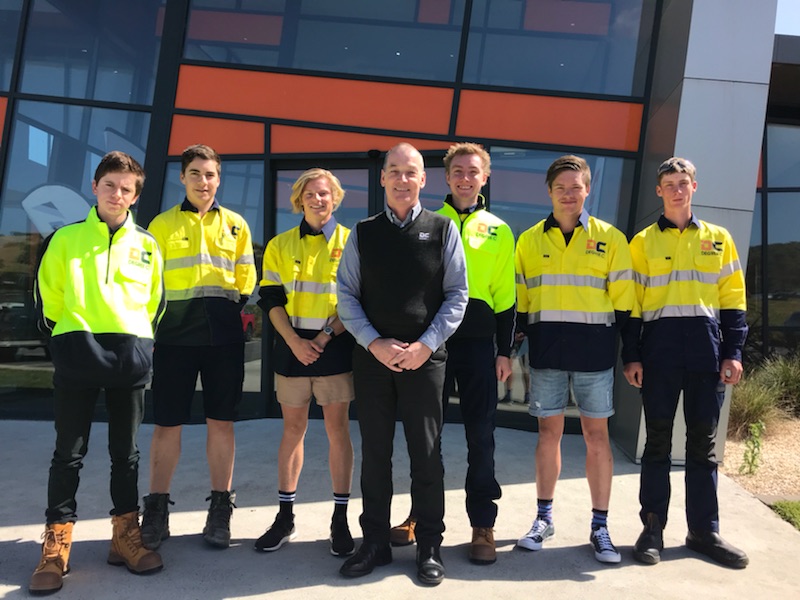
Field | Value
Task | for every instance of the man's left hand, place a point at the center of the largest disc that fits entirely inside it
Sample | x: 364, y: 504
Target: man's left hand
x: 730, y: 372
x: 502, y: 366
x: 412, y: 357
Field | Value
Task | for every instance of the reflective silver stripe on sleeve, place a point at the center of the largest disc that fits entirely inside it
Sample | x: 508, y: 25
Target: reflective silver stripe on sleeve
x: 680, y: 311
x: 308, y: 323
x: 246, y: 259
x: 312, y: 287
x: 571, y: 316
x: 273, y: 277
x: 730, y: 268
x: 564, y: 279
x: 519, y: 278
x: 186, y: 262
x: 623, y: 275
x: 203, y: 291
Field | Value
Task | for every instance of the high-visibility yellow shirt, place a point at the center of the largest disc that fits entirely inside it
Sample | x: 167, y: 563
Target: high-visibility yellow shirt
x: 573, y: 292
x: 208, y: 268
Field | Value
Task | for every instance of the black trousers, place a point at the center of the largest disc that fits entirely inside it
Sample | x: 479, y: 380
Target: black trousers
x: 74, y: 408
x: 471, y: 363
x: 416, y: 397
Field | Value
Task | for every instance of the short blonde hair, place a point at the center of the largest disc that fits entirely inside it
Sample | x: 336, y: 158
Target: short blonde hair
x: 310, y: 175
x: 676, y: 164
x: 465, y: 149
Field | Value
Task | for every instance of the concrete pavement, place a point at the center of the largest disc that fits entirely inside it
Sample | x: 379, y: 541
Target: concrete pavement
x: 565, y: 568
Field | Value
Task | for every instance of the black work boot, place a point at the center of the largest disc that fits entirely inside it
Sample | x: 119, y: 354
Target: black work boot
x: 712, y: 545
x: 648, y: 547
x: 155, y: 520
x: 217, y: 531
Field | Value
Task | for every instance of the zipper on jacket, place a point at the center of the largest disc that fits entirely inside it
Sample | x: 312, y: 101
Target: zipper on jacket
x: 110, y: 241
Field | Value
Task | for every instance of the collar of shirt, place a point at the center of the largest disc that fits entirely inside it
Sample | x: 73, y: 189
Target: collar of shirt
x: 412, y: 214
x: 480, y: 205
x: 327, y: 229
x: 583, y: 221
x: 664, y: 222
x: 186, y: 205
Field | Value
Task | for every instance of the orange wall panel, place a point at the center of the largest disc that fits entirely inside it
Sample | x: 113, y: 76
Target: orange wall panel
x: 226, y: 136
x: 315, y: 99
x: 3, y: 105
x: 549, y: 120
x: 285, y: 139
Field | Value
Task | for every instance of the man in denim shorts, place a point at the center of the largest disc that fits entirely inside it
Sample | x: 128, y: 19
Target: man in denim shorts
x: 574, y: 291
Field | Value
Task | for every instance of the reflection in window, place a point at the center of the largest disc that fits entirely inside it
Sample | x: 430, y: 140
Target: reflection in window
x: 93, y: 49
x: 519, y: 192
x: 52, y: 155
x: 580, y: 46
x: 783, y: 276
x: 406, y: 38
x: 784, y: 159
x: 754, y: 285
x: 10, y: 11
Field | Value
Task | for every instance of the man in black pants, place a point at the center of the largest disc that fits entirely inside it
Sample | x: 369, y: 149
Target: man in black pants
x: 402, y: 291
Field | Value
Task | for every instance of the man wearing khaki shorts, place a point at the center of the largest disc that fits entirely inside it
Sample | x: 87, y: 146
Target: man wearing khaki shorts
x: 313, y: 352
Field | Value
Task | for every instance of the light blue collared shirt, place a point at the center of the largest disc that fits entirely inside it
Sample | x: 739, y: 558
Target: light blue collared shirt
x: 454, y: 287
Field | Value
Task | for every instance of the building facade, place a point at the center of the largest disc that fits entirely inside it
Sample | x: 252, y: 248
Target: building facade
x: 278, y: 86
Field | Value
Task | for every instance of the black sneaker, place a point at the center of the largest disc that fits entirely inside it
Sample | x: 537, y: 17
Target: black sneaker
x: 281, y: 531
x: 217, y: 531
x: 342, y: 543
x: 155, y: 520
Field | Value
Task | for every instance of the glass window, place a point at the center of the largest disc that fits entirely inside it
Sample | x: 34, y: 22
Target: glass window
x: 53, y: 152
x: 581, y: 46
x: 10, y: 11
x: 783, y: 276
x: 407, y: 38
x: 754, y: 285
x: 518, y: 192
x: 783, y: 166
x: 99, y: 50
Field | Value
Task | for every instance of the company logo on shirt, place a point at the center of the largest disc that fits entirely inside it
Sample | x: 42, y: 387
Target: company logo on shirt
x: 336, y: 254
x: 138, y: 257
x: 424, y: 236
x: 487, y: 232
x: 710, y: 247
x: 595, y: 247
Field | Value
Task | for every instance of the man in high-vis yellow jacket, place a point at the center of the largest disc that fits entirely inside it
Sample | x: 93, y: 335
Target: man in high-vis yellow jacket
x: 686, y: 334
x: 574, y: 292
x: 99, y: 296
x: 209, y: 273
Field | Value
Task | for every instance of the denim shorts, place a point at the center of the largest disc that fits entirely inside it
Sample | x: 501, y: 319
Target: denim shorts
x: 593, y: 392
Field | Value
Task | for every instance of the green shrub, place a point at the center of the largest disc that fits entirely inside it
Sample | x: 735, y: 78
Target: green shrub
x: 752, y: 402
x: 783, y: 375
x: 789, y: 511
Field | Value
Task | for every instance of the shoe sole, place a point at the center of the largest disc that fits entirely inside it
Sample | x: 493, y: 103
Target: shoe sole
x: 156, y: 544
x: 119, y: 562
x: 482, y: 561
x: 342, y: 554
x: 608, y: 559
x: 532, y: 546
x: 278, y: 546
x: 352, y: 575
x: 647, y: 558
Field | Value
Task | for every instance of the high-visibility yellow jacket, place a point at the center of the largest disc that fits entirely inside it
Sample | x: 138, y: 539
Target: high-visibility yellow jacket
x: 489, y: 250
x: 100, y: 296
x: 208, y: 269
x: 573, y: 296
x: 300, y: 275
x: 691, y: 296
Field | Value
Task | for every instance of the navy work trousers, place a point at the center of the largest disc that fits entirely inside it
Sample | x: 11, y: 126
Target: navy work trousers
x: 703, y: 394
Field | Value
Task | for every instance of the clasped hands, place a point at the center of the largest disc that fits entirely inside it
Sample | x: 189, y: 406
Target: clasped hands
x: 400, y: 356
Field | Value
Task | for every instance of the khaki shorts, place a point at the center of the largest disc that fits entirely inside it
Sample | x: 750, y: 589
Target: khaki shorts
x: 297, y: 391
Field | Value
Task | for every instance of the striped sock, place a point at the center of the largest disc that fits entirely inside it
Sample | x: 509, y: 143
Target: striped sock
x: 545, y: 510
x: 286, y: 502
x: 340, y: 503
x: 599, y: 518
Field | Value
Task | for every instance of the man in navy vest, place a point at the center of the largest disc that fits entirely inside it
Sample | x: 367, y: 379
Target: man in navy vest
x: 402, y: 291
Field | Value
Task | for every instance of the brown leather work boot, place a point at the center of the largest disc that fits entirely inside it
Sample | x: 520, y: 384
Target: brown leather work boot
x: 54, y: 564
x: 127, y: 549
x: 482, y: 550
x: 403, y: 534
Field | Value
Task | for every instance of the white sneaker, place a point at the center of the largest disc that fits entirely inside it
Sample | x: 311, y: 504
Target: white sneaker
x: 540, y: 531
x: 604, y: 550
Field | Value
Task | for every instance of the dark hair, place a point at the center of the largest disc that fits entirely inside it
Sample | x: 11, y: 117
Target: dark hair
x: 569, y: 162
x: 199, y: 151
x: 676, y: 164
x: 119, y: 162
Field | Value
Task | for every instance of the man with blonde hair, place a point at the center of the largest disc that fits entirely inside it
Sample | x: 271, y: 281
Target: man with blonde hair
x: 313, y: 352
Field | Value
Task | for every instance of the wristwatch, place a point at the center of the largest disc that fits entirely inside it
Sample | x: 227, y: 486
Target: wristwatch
x: 329, y: 330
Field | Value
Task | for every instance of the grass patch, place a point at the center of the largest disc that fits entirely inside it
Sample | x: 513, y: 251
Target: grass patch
x: 752, y: 402
x: 788, y: 510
